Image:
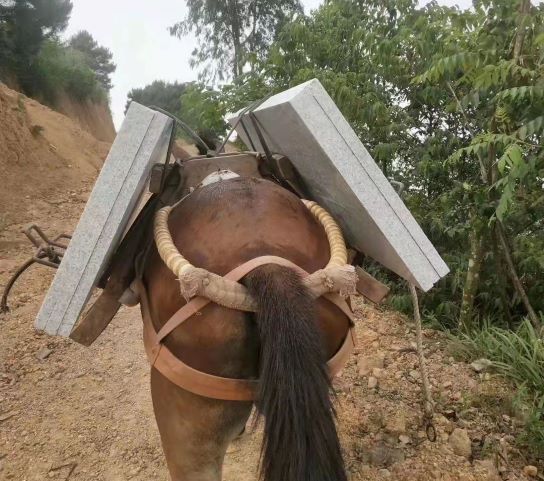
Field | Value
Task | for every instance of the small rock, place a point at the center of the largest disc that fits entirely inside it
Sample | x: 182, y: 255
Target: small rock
x: 447, y: 384
x: 372, y: 382
x: 444, y: 423
x: 460, y: 442
x: 414, y: 374
x: 368, y: 336
x: 367, y: 363
x: 456, y: 396
x: 383, y: 455
x: 488, y: 468
x: 44, y: 353
x: 481, y: 365
x: 530, y: 471
x: 378, y: 372
x: 396, y: 424
x: 404, y: 439
x: 384, y: 473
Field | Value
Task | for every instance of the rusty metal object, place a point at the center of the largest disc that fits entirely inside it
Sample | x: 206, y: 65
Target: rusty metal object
x: 49, y: 252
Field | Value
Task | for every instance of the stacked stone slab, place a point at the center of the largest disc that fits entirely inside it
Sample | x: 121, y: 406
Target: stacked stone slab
x: 304, y: 124
x: 142, y: 141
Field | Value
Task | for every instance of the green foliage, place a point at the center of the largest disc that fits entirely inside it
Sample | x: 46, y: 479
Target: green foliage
x: 24, y: 26
x: 97, y: 58
x: 233, y: 33
x: 449, y: 102
x: 60, y: 69
x: 519, y: 356
x: 163, y: 94
x: 34, y: 60
x: 203, y: 109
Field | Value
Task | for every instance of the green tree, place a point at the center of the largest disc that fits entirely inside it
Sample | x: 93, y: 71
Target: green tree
x: 24, y: 25
x: 233, y: 33
x: 59, y: 69
x: 163, y: 94
x: 431, y: 134
x: 204, y: 110
x: 496, y: 83
x: 99, y: 59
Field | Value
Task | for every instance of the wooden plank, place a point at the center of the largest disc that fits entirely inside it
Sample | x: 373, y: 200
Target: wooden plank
x: 369, y: 287
x: 98, y: 316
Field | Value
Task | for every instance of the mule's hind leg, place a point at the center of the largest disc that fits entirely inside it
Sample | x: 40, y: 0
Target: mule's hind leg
x: 195, y: 431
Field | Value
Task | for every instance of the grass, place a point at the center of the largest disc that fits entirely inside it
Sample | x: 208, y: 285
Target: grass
x: 518, y: 356
x: 36, y: 130
x: 21, y: 103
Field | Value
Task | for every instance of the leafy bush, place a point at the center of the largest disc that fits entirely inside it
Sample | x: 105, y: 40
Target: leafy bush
x: 59, y: 68
x: 203, y: 109
x: 165, y: 95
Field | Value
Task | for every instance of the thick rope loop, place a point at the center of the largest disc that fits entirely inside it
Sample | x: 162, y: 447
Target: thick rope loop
x: 337, y: 276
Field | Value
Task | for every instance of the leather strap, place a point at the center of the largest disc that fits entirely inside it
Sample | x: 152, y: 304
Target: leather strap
x: 208, y: 385
x: 236, y: 274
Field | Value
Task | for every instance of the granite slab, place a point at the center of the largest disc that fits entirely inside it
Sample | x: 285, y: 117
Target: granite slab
x: 141, y: 142
x: 304, y: 124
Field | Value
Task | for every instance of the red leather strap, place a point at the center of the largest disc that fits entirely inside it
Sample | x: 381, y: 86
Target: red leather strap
x: 217, y: 387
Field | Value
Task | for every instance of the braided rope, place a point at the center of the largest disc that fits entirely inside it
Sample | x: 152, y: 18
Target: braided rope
x: 337, y: 276
x: 339, y: 254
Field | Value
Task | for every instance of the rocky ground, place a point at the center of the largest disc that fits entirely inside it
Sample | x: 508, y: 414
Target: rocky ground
x: 69, y: 412
x: 73, y: 413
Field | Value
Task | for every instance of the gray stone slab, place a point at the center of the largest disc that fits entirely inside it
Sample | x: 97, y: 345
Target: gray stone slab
x: 142, y: 141
x: 304, y: 124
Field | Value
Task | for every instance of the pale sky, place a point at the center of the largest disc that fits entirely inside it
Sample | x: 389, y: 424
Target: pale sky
x: 136, y: 33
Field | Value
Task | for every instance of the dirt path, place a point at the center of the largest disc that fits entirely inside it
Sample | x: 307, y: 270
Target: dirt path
x: 90, y: 407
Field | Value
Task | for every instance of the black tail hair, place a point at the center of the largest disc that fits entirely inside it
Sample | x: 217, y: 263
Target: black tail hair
x: 300, y: 439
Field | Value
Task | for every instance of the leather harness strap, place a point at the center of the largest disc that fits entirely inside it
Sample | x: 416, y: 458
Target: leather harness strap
x: 208, y: 385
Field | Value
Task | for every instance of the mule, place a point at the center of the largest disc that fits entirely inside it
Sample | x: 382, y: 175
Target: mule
x: 285, y: 344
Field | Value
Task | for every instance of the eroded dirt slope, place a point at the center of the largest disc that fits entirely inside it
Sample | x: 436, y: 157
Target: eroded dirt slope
x: 42, y: 153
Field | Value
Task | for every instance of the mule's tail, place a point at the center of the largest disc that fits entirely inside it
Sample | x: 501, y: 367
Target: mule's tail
x: 300, y: 439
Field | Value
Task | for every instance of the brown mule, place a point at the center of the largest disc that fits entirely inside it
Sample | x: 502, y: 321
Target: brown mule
x: 285, y: 344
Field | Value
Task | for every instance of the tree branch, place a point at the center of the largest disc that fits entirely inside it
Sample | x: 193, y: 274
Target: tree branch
x: 483, y: 170
x: 518, y: 286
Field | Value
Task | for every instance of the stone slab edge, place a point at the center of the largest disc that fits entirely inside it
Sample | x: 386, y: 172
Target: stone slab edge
x: 142, y: 140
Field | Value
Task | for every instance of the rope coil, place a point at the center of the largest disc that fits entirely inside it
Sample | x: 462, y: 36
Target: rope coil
x: 337, y: 276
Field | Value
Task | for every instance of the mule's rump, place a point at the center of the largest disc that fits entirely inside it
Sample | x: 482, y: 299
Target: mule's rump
x: 217, y: 228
